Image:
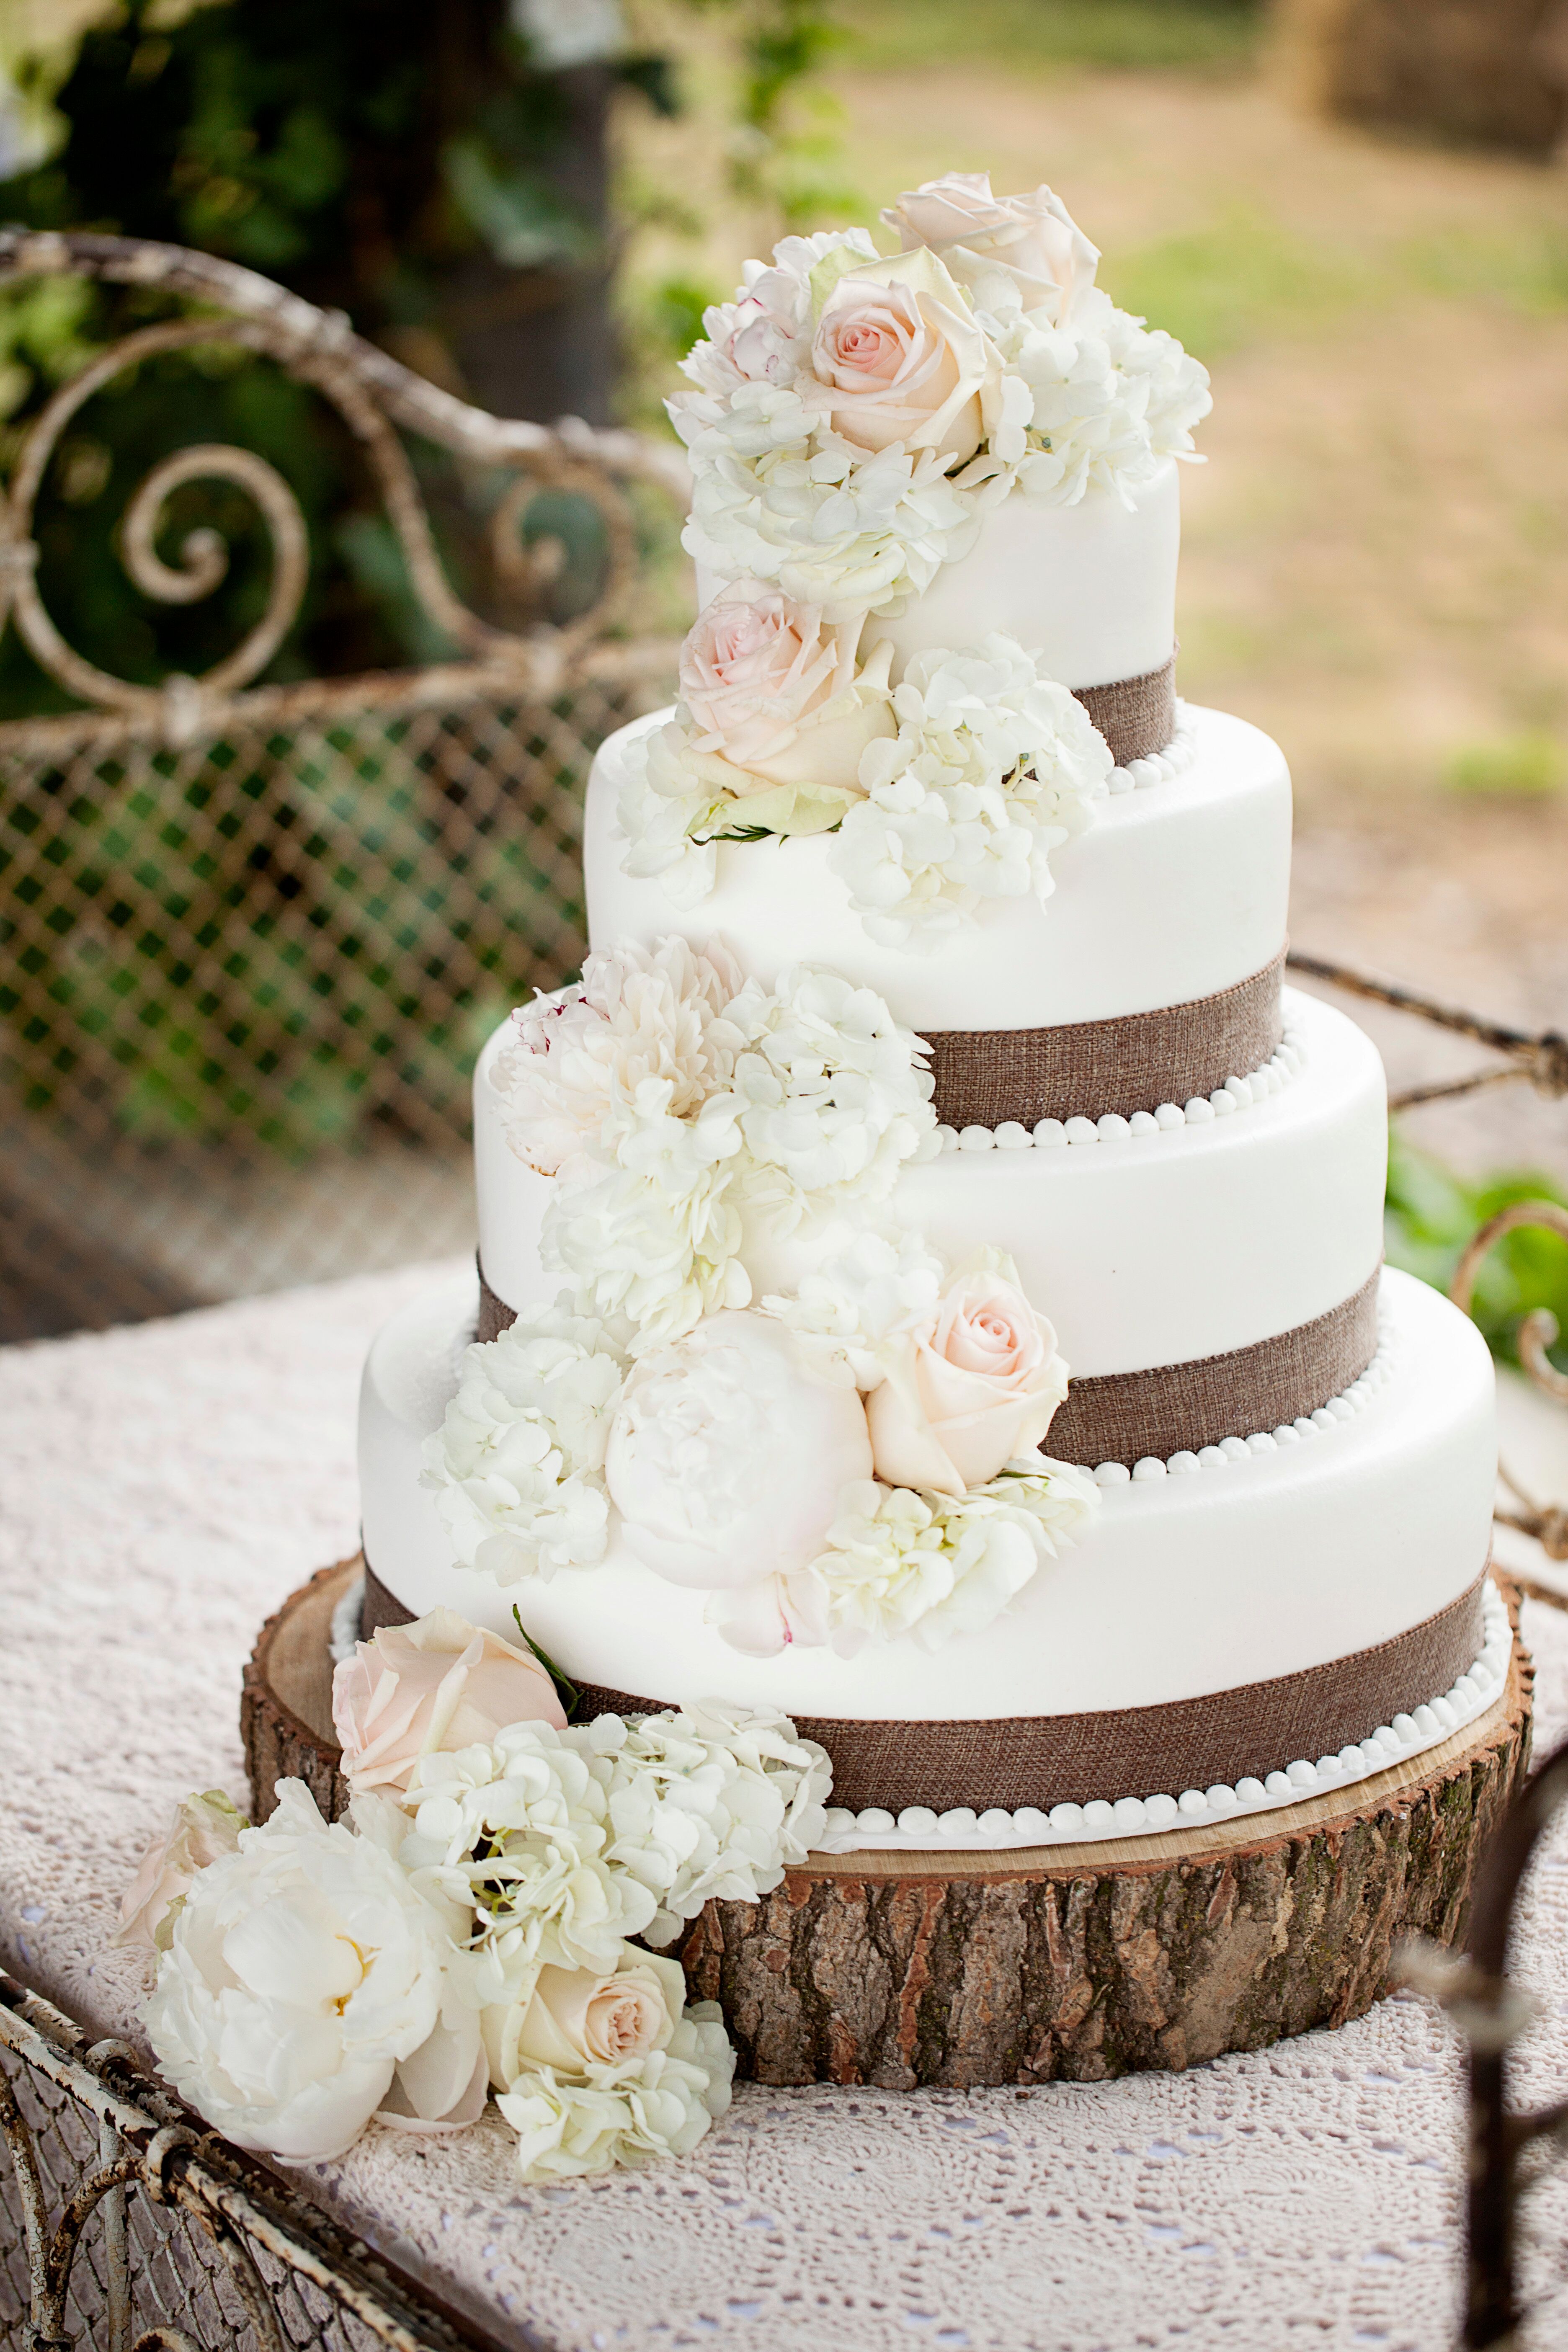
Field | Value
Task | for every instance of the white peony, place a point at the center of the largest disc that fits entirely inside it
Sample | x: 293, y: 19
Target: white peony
x: 834, y: 1097
x: 852, y: 1313
x: 709, y: 1804
x: 641, y: 1038
x: 304, y: 1972
x: 514, y: 1831
x: 661, y: 1248
x: 656, y: 2105
x: 517, y: 1465
x: 994, y: 766
x: 726, y: 1456
x: 898, y: 1561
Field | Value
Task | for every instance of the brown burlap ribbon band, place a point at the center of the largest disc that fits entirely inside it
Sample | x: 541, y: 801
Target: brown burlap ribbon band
x: 1137, y: 715
x: 1144, y: 1751
x: 1081, y: 1069
x: 1180, y: 1408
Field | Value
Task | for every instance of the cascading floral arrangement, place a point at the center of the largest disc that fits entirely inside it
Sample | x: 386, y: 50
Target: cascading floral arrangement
x: 854, y: 418
x: 856, y: 1460
x: 470, y: 1929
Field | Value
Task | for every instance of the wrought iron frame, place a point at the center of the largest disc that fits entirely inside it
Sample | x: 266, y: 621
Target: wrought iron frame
x: 148, y: 2144
x: 375, y: 396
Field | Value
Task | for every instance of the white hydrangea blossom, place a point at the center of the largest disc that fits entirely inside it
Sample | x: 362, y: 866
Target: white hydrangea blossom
x: 658, y: 1245
x: 850, y: 1312
x: 517, y: 1465
x: 994, y: 766
x: 712, y: 1802
x: 834, y: 1096
x: 516, y: 1830
x: 558, y: 1844
x: 934, y: 1565
x: 779, y: 495
x: 656, y: 2106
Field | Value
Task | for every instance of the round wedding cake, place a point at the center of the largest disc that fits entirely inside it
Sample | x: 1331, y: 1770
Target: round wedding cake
x: 930, y: 1272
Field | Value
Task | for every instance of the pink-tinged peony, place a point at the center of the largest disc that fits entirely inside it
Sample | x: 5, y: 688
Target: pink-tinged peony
x: 641, y: 1038
x: 971, y: 1387
x: 427, y: 1688
x: 199, y: 1830
x: 777, y: 693
x: 1033, y: 237
x: 572, y: 2018
x: 900, y: 358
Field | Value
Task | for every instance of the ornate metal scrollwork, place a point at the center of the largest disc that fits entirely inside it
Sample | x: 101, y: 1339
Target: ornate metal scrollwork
x: 143, y: 2148
x: 373, y: 394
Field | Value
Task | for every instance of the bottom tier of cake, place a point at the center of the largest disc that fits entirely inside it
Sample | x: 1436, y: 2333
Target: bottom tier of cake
x: 1227, y: 1636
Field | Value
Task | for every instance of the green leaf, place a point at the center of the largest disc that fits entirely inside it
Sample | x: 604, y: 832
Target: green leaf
x: 567, y: 1692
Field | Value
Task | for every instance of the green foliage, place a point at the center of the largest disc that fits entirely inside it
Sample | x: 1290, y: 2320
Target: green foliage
x: 1243, y: 276
x: 885, y: 35
x: 1432, y: 1214
x: 1516, y: 767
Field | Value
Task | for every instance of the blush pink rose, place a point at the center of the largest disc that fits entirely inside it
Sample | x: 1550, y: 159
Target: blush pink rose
x: 200, y: 1830
x: 429, y: 1688
x: 1032, y: 237
x: 777, y: 693
x: 572, y: 2018
x: 899, y: 356
x: 974, y: 1386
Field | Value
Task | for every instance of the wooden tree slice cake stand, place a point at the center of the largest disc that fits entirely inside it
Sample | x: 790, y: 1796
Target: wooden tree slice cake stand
x: 1078, y: 1961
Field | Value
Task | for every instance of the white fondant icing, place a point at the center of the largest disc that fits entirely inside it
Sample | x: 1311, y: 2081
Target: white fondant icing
x: 1233, y: 1230
x: 1092, y: 587
x: 1185, y: 1584
x: 919, y: 1829
x: 1169, y: 896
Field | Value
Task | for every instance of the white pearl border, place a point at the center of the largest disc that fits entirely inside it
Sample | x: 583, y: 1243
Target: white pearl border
x: 920, y: 1830
x: 343, y: 1636
x: 1159, y: 767
x: 1270, y: 1078
x: 1263, y: 1441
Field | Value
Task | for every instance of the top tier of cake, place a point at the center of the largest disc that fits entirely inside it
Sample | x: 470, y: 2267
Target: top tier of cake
x: 1091, y: 588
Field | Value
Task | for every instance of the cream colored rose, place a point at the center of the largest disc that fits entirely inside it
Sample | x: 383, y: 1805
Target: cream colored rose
x: 571, y: 2019
x: 899, y: 356
x: 777, y: 693
x: 1033, y: 237
x: 427, y: 1688
x: 200, y: 1830
x: 971, y: 1386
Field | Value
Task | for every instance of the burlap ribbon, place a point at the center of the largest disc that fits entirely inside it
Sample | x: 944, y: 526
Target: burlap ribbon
x: 1137, y: 715
x: 1180, y: 1408
x: 1144, y: 1751
x: 1081, y: 1069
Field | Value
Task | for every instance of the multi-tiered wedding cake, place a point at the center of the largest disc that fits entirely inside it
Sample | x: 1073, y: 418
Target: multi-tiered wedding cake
x: 931, y: 1271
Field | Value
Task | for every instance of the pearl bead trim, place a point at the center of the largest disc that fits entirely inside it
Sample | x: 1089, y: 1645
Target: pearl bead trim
x: 1341, y: 1408
x: 1052, y: 1134
x: 1159, y: 766
x: 963, y: 1830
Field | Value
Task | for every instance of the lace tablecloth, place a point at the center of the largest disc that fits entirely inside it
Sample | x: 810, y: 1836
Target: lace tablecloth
x: 164, y: 1487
